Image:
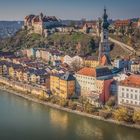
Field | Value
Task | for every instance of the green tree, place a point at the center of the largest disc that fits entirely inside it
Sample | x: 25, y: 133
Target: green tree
x: 92, y: 45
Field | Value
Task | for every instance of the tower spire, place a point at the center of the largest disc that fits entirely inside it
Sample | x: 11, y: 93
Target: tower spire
x: 104, y: 48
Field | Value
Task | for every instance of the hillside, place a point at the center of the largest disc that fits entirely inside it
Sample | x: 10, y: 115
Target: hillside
x: 64, y: 42
x: 72, y: 44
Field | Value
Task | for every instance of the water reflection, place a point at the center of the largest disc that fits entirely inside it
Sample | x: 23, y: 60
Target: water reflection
x: 85, y: 128
x: 58, y: 119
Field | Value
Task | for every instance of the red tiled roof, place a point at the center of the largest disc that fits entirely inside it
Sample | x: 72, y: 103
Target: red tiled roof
x: 132, y: 81
x: 87, y: 71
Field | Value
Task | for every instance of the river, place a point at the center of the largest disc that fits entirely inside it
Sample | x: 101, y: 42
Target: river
x: 21, y: 119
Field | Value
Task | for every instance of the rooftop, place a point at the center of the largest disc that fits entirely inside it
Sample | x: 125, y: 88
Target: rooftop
x: 95, y: 72
x: 131, y: 81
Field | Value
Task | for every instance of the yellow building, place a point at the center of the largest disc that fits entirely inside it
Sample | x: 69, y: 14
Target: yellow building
x: 1, y: 69
x: 91, y: 62
x: 26, y: 76
x: 19, y: 74
x: 63, y: 86
x: 12, y: 72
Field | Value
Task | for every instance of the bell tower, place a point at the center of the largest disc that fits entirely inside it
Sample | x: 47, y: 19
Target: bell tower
x: 104, y: 47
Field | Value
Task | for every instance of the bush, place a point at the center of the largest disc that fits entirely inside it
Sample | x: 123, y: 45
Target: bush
x: 63, y: 102
x: 105, y: 114
x: 89, y: 108
x: 123, y: 114
x: 136, y: 117
x: 72, y: 105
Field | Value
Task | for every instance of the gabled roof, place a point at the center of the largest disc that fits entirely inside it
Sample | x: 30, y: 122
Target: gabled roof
x: 95, y: 72
x: 67, y: 77
x: 87, y: 71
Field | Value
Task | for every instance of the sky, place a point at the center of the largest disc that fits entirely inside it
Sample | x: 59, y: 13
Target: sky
x: 69, y: 9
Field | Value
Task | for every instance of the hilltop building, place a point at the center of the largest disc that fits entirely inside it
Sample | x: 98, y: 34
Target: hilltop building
x: 40, y: 24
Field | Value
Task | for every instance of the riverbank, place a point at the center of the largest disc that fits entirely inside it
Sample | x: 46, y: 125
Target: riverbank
x: 3, y: 88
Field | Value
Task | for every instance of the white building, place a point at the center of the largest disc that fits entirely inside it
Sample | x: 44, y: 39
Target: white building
x: 94, y: 80
x: 129, y: 91
x: 122, y: 63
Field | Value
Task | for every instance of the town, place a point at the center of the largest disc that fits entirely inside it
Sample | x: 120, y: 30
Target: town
x: 96, y: 85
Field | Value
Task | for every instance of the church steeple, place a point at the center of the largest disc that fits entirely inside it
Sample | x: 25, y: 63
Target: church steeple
x: 104, y: 48
x: 105, y: 23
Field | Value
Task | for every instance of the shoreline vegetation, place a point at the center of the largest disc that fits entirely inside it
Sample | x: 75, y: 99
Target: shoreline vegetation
x: 55, y: 106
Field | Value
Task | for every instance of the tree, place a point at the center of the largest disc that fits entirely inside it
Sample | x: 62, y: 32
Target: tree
x: 72, y: 105
x: 72, y: 23
x: 123, y: 114
x: 89, y: 108
x: 136, y: 117
x: 111, y: 101
x: 92, y: 45
x: 63, y: 102
x: 76, y: 65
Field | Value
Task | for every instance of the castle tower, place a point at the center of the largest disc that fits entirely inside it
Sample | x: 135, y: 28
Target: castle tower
x: 104, y: 48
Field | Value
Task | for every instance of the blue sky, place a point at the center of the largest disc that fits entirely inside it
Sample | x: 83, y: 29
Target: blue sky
x: 69, y: 9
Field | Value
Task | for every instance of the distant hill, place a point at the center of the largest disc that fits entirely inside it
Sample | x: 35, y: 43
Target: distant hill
x: 9, y: 28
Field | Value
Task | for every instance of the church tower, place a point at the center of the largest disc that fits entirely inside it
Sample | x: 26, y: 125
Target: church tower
x: 104, y: 47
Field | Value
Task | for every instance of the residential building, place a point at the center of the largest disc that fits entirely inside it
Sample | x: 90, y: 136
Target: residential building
x: 135, y: 67
x: 129, y: 91
x: 90, y: 27
x: 94, y: 80
x: 91, y: 62
x: 63, y: 85
x: 122, y: 63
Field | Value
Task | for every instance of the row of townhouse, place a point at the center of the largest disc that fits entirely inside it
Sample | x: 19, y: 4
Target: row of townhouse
x: 24, y: 74
x: 44, y: 54
x: 57, y: 57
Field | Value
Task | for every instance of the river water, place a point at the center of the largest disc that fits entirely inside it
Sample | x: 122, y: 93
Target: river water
x: 21, y: 119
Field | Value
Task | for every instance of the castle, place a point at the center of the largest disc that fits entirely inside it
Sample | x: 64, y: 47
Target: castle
x: 40, y: 24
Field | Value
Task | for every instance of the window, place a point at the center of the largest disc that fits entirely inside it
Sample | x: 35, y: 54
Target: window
x: 131, y: 96
x: 127, y: 101
x: 136, y: 97
x: 131, y: 90
x: 135, y: 103
x: 127, y: 95
x: 123, y: 94
x: 127, y: 89
x: 122, y: 89
x: 136, y: 91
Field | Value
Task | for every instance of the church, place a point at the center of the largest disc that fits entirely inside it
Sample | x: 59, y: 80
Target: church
x: 104, y: 46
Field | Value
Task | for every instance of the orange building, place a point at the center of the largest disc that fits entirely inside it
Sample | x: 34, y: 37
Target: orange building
x: 62, y: 86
